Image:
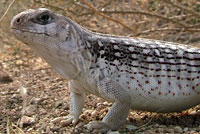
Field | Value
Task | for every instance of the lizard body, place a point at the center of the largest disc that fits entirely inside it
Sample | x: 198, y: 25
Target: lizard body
x: 135, y: 73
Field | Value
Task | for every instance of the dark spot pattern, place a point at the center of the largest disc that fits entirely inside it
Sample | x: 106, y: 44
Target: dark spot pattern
x: 144, y: 60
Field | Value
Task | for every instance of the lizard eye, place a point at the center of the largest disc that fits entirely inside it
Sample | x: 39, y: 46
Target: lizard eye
x: 43, y: 19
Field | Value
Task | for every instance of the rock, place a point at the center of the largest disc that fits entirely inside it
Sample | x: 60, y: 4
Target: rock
x: 131, y: 127
x: 150, y: 132
x: 48, y: 130
x: 160, y: 130
x: 4, y: 77
x: 59, y: 103
x: 198, y: 129
x: 178, y: 129
x: 36, y: 101
x: 30, y: 130
x: 107, y: 103
x: 94, y: 113
x: 56, y: 120
x: 43, y: 112
x: 193, y: 132
x: 79, y: 125
x: 169, y: 130
x: 25, y: 120
x: 64, y: 123
x: 19, y: 62
x: 65, y: 106
x: 113, y: 132
x: 185, y: 130
x: 16, y: 98
x: 30, y: 110
x: 88, y: 111
x: 56, y: 128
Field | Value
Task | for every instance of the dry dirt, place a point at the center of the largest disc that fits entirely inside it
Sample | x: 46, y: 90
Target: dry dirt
x: 47, y: 98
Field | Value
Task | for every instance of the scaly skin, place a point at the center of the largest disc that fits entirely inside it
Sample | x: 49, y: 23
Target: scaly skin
x: 136, y: 73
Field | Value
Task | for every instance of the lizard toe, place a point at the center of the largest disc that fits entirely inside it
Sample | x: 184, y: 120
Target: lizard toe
x: 69, y: 120
x: 97, y: 125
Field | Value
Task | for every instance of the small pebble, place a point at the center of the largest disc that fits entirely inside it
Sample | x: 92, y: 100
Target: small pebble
x: 55, y: 128
x: 4, y: 77
x: 193, y: 132
x: 178, y: 129
x: 150, y: 132
x: 169, y: 130
x: 30, y: 110
x: 193, y: 112
x: 156, y: 125
x: 94, y: 113
x: 107, y: 103
x: 88, y: 112
x: 42, y: 112
x: 58, y: 103
x: 19, y: 62
x: 131, y: 127
x: 25, y: 120
x: 198, y: 129
x: 36, y: 101
x: 56, y: 120
x: 65, y: 106
x: 160, y: 130
x: 81, y: 124
x: 64, y: 123
x: 16, y: 97
x: 30, y: 129
x: 98, y: 104
x: 185, y: 129
x: 113, y: 132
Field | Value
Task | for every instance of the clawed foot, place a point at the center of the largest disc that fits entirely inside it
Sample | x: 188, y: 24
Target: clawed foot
x: 65, y: 121
x: 72, y: 119
x: 97, y: 125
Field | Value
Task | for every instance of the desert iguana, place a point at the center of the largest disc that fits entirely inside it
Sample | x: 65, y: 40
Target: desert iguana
x: 136, y: 73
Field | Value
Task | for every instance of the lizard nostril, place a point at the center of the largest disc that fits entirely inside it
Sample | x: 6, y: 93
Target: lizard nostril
x: 18, y: 21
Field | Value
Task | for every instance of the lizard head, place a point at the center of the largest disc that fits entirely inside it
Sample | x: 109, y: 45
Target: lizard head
x: 41, y: 27
x: 51, y: 36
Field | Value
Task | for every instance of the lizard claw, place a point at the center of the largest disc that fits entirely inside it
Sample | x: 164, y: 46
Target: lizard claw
x: 97, y: 125
x: 65, y: 121
x: 70, y: 119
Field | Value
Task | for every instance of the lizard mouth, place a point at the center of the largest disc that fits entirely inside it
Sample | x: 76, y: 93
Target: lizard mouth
x: 15, y: 31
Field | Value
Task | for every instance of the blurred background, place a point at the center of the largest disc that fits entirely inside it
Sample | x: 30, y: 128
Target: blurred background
x: 171, y: 20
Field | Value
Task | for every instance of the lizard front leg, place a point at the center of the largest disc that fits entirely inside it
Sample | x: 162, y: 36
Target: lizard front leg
x: 76, y: 104
x: 117, y: 114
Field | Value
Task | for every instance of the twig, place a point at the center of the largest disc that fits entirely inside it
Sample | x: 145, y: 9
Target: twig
x: 168, y: 29
x: 48, y: 2
x: 55, y: 7
x: 80, y: 5
x: 106, y: 4
x: 19, y: 130
x: 183, y: 8
x: 145, y: 13
x: 107, y: 17
x: 195, y: 26
x: 8, y: 126
x: 159, y: 30
x: 181, y: 16
x: 2, y: 17
x: 101, y: 13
